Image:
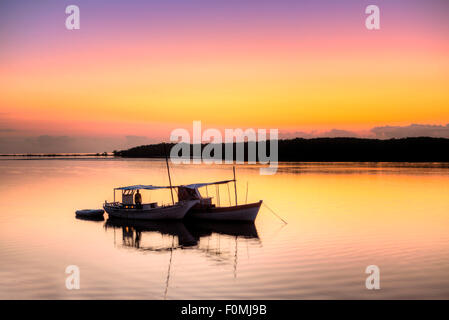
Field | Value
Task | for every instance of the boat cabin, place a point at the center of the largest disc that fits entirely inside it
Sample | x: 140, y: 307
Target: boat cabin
x: 128, y: 195
x: 191, y: 192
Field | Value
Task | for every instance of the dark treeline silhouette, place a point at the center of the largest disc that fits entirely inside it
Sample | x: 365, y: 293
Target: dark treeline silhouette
x: 51, y: 155
x: 421, y: 149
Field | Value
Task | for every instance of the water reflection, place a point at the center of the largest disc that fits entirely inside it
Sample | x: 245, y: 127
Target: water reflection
x: 337, y: 225
x: 216, y: 240
x: 97, y: 219
x: 207, y: 228
x: 132, y: 233
x: 211, y: 236
x: 193, y: 235
x: 188, y: 235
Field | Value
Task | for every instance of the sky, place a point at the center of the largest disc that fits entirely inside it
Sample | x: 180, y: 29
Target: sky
x: 136, y: 70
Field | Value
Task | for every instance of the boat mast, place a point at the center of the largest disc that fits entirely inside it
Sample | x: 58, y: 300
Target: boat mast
x: 169, y: 178
x: 235, y: 185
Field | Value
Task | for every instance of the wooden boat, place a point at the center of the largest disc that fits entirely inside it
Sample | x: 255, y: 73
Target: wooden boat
x: 244, y: 212
x: 127, y: 209
x: 205, y: 209
x: 146, y: 211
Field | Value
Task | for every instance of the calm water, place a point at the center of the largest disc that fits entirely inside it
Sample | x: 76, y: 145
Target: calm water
x: 341, y: 218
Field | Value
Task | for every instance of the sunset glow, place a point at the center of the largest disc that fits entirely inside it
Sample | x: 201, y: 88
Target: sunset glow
x: 145, y: 68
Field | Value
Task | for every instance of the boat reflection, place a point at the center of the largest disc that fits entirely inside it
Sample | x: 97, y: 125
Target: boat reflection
x: 94, y: 218
x: 204, y: 237
x: 132, y: 233
x: 187, y: 235
x: 204, y: 228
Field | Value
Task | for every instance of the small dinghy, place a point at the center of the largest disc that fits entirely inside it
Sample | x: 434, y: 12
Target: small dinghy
x: 90, y: 213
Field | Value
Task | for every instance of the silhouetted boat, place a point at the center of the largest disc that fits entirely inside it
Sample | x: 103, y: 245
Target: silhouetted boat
x: 205, y: 209
x: 243, y: 212
x: 127, y: 209
x: 146, y: 211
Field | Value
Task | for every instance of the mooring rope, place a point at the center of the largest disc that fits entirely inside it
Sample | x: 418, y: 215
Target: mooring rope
x: 274, y: 212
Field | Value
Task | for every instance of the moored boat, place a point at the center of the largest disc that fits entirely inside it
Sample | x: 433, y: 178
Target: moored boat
x: 244, y: 212
x: 128, y: 209
x: 205, y: 209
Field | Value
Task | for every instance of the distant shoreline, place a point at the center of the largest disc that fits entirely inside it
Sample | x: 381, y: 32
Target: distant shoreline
x: 57, y: 155
x: 420, y: 149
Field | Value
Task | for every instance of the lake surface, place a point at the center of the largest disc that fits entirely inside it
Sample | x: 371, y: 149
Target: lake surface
x: 342, y: 217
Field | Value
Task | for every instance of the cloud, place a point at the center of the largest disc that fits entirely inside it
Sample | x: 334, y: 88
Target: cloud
x: 336, y: 133
x: 5, y: 124
x: 296, y: 134
x: 384, y: 132
x: 51, y: 142
x: 413, y: 130
x: 134, y: 141
x: 333, y: 133
x: 69, y: 144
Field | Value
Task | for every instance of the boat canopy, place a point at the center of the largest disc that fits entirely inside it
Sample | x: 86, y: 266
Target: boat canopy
x: 199, y: 185
x: 190, y: 186
x: 141, y: 187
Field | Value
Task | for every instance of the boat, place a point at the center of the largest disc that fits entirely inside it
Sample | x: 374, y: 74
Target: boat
x: 90, y: 213
x: 127, y: 209
x: 206, y: 210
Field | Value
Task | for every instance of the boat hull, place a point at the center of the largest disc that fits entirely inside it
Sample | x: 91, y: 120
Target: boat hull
x: 174, y: 212
x: 245, y: 212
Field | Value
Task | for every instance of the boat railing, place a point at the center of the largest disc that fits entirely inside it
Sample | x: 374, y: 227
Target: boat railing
x: 131, y: 206
x: 114, y: 203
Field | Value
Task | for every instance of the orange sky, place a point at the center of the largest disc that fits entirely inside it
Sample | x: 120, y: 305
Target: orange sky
x: 294, y: 75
